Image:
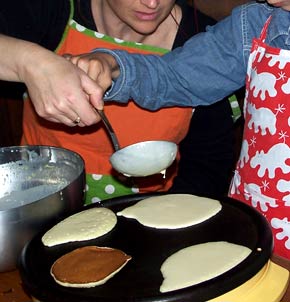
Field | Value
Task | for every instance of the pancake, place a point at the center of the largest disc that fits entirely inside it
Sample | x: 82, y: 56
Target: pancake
x: 172, y: 211
x: 198, y: 263
x: 88, y: 266
x: 85, y: 225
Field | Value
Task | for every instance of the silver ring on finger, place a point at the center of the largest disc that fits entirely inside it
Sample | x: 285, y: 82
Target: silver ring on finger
x: 77, y: 120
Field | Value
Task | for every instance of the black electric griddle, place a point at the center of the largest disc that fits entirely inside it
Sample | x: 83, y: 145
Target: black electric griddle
x: 140, y: 279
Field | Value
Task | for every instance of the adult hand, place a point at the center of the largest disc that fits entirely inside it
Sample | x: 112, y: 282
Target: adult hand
x: 60, y: 91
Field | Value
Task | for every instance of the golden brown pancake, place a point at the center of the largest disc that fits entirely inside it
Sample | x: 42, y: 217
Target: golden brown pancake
x: 88, y: 266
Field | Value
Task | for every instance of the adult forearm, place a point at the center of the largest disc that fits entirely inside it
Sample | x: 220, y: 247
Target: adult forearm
x: 16, y: 55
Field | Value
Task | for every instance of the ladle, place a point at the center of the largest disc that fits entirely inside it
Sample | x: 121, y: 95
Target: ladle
x: 140, y: 159
x: 110, y: 129
x: 144, y: 158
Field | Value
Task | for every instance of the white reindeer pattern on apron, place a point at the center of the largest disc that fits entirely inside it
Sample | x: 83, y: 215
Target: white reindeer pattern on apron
x: 262, y: 175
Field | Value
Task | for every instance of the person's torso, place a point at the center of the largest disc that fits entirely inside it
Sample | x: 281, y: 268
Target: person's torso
x: 131, y: 123
x: 262, y: 175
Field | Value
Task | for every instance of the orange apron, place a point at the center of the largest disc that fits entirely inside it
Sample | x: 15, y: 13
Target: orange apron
x: 262, y: 175
x: 131, y: 124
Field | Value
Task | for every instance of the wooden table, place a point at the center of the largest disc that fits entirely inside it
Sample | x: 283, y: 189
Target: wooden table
x: 11, y: 289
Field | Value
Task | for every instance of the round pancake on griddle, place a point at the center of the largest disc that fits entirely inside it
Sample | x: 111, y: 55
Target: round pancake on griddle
x: 85, y: 225
x: 172, y: 211
x: 199, y: 263
x: 88, y: 266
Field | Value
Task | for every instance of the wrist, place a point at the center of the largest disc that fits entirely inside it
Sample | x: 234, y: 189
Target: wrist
x: 111, y: 59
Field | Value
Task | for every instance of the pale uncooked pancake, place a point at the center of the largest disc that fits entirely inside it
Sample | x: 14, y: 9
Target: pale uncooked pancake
x: 172, y: 211
x: 199, y: 263
x: 85, y: 225
x: 88, y: 266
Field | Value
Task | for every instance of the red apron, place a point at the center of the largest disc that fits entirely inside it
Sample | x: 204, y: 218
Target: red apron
x: 262, y: 175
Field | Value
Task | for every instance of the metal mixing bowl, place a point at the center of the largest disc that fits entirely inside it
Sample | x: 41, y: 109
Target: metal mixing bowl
x: 38, y: 186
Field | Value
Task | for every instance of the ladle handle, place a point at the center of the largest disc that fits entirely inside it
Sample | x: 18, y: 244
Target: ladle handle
x: 110, y: 129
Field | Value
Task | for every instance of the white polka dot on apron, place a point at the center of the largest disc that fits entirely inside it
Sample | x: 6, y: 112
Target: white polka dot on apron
x: 109, y: 189
x: 97, y: 176
x: 135, y: 190
x: 96, y: 199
